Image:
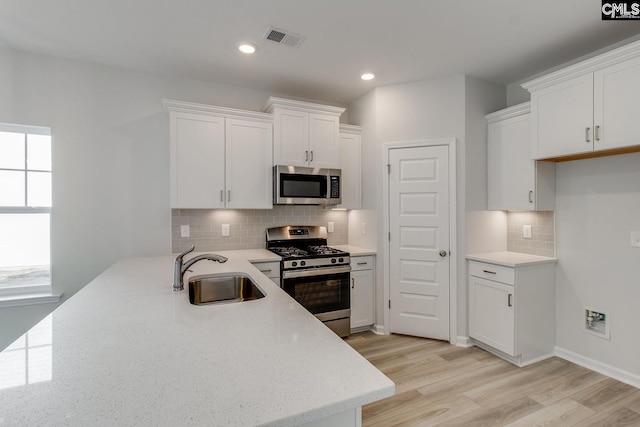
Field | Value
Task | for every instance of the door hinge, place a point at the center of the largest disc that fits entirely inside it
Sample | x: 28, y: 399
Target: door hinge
x: 389, y: 168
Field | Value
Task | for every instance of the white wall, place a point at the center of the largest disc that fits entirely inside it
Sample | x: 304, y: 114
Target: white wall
x: 597, y: 205
x: 110, y: 161
x: 429, y: 109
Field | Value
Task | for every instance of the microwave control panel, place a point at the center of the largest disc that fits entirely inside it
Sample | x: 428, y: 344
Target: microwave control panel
x: 335, y: 187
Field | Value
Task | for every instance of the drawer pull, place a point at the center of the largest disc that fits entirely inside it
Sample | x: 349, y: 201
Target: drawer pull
x: 489, y: 272
x: 510, y: 300
x: 363, y: 263
x: 266, y: 271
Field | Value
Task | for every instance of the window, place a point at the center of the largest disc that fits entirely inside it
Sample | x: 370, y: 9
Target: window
x: 25, y: 208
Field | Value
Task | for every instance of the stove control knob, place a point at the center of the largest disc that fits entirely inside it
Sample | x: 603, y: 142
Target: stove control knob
x: 333, y: 261
x: 302, y: 263
x: 294, y: 264
x: 340, y: 259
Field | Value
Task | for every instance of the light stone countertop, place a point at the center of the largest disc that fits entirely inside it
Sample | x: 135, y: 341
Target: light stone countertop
x: 511, y: 259
x: 128, y: 351
x: 354, y: 250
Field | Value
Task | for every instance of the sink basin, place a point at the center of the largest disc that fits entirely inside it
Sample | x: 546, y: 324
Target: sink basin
x: 223, y: 288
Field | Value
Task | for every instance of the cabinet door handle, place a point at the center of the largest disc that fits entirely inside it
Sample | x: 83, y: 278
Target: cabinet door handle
x: 228, y: 195
x: 306, y: 156
x: 353, y: 283
x: 510, y: 300
x: 531, y: 196
x: 586, y: 134
x: 266, y: 271
x: 488, y: 271
x: 222, y: 195
x: 597, y: 133
x: 363, y: 263
x: 311, y: 160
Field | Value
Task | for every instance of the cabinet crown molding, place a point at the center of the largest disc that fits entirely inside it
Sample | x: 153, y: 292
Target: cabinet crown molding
x: 191, y: 107
x: 290, y: 104
x: 624, y: 53
x: 356, y: 130
x: 507, y: 113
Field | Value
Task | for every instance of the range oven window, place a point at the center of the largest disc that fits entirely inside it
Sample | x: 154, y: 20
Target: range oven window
x: 303, y: 185
x: 320, y: 294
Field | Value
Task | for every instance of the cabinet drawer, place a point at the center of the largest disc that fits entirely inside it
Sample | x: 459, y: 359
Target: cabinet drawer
x: 269, y: 269
x: 493, y: 272
x: 361, y: 263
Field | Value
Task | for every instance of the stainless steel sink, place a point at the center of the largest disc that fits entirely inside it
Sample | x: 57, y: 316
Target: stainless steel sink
x: 223, y: 288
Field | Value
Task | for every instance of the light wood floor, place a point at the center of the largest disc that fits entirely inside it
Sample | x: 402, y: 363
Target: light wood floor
x: 440, y: 384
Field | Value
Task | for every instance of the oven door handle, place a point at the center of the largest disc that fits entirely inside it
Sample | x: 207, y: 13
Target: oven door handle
x: 310, y: 272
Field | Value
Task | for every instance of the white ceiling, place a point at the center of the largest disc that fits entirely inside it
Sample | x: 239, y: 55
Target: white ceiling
x: 400, y: 40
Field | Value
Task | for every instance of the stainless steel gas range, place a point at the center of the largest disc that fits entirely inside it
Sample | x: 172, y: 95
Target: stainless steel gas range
x: 316, y: 275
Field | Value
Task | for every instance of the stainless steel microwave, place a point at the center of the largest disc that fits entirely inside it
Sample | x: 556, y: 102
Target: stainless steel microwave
x: 297, y: 185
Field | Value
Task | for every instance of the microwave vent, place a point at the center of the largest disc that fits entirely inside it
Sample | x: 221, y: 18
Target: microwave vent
x: 280, y: 36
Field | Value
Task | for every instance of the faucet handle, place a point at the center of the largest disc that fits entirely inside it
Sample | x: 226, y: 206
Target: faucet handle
x: 191, y: 249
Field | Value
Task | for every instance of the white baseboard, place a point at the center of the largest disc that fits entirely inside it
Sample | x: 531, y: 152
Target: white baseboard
x: 378, y: 329
x: 464, y: 342
x: 602, y: 368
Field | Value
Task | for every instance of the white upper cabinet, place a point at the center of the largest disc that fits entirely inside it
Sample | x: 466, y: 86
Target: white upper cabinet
x: 350, y: 146
x: 515, y: 182
x: 305, y: 134
x: 220, y: 157
x: 587, y: 109
x: 248, y: 147
x: 197, y: 160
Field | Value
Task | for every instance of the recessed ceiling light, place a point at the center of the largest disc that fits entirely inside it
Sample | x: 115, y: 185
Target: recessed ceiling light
x: 367, y: 76
x: 247, y: 48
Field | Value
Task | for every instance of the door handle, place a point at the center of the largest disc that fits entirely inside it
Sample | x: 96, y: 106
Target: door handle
x: 311, y: 160
x: 586, y: 134
x: 597, y: 133
x: 510, y: 300
x: 442, y: 253
x: 531, y: 196
x: 353, y: 283
x: 222, y: 195
x: 306, y: 156
x: 228, y: 195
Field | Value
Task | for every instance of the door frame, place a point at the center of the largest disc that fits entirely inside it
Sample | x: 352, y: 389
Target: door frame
x: 450, y: 143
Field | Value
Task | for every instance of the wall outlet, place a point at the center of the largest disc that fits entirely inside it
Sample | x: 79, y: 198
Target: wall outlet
x: 225, y: 230
x: 185, y: 231
x: 330, y: 226
x: 635, y: 239
x: 526, y: 232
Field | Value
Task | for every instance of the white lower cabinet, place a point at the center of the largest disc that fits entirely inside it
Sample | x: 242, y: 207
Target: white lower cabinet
x: 362, y: 291
x: 512, y: 310
x: 271, y: 269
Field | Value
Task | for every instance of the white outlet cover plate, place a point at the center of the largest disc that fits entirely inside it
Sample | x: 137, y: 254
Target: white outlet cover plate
x: 185, y: 231
x: 526, y: 231
x: 225, y: 230
x: 330, y: 226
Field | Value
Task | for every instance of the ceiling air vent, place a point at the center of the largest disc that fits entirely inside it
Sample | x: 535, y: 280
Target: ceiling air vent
x: 284, y: 37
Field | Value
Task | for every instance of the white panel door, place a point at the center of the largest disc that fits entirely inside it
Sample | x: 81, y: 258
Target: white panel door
x: 419, y: 227
x: 249, y: 173
x: 197, y: 161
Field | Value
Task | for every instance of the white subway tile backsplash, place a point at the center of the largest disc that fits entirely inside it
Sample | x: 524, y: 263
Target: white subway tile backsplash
x: 248, y: 227
x: 543, y: 233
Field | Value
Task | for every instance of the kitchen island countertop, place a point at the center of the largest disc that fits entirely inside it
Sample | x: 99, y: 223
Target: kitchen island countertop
x: 126, y: 350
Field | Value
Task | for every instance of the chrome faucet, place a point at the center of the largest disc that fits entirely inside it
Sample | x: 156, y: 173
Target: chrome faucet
x: 179, y: 268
